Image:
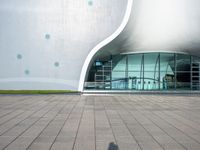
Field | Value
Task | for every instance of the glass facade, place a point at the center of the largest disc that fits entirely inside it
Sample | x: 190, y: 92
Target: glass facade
x: 146, y: 71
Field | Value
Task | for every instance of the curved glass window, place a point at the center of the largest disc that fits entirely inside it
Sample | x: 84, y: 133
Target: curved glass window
x: 145, y: 71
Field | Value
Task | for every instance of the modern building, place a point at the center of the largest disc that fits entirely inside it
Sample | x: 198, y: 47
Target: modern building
x: 100, y: 45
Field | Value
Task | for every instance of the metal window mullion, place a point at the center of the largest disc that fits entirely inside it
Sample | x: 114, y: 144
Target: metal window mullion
x: 126, y: 72
x: 159, y: 71
x: 155, y: 68
x: 143, y: 71
x: 111, y: 74
x: 103, y: 76
x: 175, y: 71
x: 191, y: 73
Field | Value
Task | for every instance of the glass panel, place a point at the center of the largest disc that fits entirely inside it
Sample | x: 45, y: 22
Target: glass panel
x: 151, y: 80
x: 167, y: 71
x: 195, y: 59
x: 118, y: 72
x: 119, y: 80
x: 118, y: 75
x: 183, y: 62
x: 134, y: 62
x: 151, y: 71
x: 167, y: 80
x: 167, y: 63
x: 151, y: 61
x: 183, y: 80
x: 119, y: 63
x: 133, y: 80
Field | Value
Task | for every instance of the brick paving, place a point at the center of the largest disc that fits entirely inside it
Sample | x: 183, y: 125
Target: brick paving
x: 104, y: 122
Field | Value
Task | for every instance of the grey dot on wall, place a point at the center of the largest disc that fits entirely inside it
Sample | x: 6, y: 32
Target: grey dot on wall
x: 56, y: 64
x: 90, y: 2
x: 47, y: 36
x: 19, y: 56
x: 27, y: 72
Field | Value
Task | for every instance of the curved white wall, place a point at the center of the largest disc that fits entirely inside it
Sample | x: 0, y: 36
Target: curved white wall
x: 101, y: 45
x: 44, y: 43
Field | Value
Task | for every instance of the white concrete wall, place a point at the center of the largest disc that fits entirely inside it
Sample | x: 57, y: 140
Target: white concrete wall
x: 44, y: 43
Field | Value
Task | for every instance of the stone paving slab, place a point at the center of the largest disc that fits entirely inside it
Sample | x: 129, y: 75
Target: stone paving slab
x: 100, y: 122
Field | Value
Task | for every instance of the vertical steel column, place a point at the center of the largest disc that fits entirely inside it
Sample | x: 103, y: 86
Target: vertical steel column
x: 175, y: 70
x: 191, y: 59
x: 111, y: 59
x: 155, y: 70
x: 143, y: 71
x: 159, y: 70
x: 126, y: 73
x: 103, y: 77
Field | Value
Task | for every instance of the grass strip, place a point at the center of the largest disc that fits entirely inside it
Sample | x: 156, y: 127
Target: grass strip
x: 36, y: 91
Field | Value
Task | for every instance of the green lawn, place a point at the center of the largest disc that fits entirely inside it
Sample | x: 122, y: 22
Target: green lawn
x: 36, y: 91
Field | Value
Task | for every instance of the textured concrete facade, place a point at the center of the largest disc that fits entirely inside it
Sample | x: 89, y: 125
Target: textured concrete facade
x: 43, y: 44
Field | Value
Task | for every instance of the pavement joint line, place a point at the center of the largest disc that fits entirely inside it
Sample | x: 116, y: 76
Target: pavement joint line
x: 14, y: 109
x: 16, y: 115
x: 179, y: 115
x: 127, y: 126
x: 173, y: 125
x: 129, y: 130
x: 48, y: 124
x: 94, y: 111
x: 178, y: 120
x: 21, y: 101
x: 26, y: 118
x: 180, y: 130
x: 147, y: 131
x: 109, y: 122
x: 31, y: 125
x: 159, y: 126
x: 68, y: 115
x: 98, y: 103
x: 79, y: 123
x: 30, y: 105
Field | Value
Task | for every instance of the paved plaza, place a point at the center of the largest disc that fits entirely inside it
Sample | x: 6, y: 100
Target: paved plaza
x: 104, y: 122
